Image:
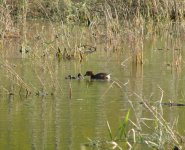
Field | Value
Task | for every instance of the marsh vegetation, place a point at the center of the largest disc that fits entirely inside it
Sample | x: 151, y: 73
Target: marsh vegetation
x: 141, y: 43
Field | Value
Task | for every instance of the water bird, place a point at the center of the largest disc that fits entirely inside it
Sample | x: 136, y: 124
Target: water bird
x: 24, y: 49
x: 176, y: 148
x: 99, y: 76
x: 70, y: 77
x: 78, y: 77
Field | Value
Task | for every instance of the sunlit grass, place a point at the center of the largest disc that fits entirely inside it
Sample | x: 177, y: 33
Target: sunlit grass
x: 160, y: 134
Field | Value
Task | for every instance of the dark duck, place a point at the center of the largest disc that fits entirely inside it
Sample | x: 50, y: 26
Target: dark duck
x: 98, y: 76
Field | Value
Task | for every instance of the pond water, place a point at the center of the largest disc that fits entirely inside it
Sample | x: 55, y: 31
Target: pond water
x: 66, y: 113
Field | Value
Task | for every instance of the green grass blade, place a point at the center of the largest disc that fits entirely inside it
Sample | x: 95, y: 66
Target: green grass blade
x: 122, y: 129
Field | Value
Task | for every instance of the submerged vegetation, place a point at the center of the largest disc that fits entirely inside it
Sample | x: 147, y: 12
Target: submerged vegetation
x: 77, y: 30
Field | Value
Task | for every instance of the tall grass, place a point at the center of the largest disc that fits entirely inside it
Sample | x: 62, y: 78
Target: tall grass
x: 118, y: 17
x: 84, y: 9
x: 160, y: 134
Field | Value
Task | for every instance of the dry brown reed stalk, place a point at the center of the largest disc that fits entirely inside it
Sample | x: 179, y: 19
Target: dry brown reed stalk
x: 53, y: 72
x: 116, y: 83
x: 67, y: 38
x: 159, y: 118
x: 113, y: 28
x: 14, y: 77
x: 173, y: 46
x: 26, y: 10
x: 135, y: 44
x: 165, y: 129
x: 24, y: 17
x: 7, y: 26
x: 177, y: 49
x: 70, y: 90
x: 156, y: 10
x: 74, y: 40
x: 48, y: 77
x: 177, y: 59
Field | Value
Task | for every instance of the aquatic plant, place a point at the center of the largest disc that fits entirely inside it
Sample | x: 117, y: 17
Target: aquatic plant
x: 161, y: 134
x: 133, y: 18
x: 84, y: 11
x: 122, y: 130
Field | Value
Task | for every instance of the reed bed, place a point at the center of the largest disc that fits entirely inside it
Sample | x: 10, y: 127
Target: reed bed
x: 69, y: 42
x: 117, y: 18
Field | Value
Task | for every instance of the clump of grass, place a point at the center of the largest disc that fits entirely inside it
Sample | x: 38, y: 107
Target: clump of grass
x: 122, y: 131
x: 161, y: 135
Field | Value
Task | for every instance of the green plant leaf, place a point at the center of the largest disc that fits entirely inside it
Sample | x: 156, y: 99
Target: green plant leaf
x: 122, y: 128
